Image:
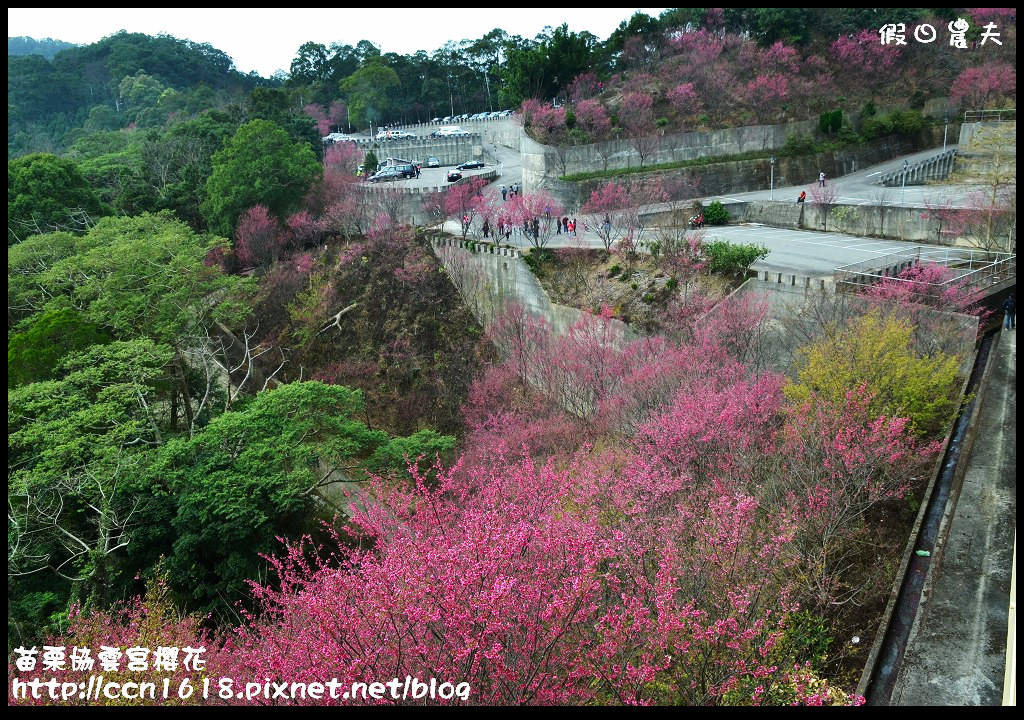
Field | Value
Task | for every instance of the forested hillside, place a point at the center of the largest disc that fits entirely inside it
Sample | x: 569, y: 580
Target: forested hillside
x: 47, y: 47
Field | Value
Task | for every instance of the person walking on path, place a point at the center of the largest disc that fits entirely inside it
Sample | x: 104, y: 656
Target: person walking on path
x: 1010, y: 310
x: 821, y: 179
x: 487, y: 228
x: 504, y: 192
x: 803, y: 196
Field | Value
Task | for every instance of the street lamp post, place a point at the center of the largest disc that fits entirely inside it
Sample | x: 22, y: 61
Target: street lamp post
x: 903, y: 192
x: 771, y: 192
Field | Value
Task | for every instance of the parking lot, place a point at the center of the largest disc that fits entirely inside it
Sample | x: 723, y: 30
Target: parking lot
x: 801, y: 252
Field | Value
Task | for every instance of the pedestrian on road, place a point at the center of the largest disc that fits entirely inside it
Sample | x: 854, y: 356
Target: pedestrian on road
x: 803, y: 196
x: 1010, y: 309
x: 565, y: 225
x: 607, y: 227
x: 504, y: 190
x: 572, y: 226
x: 487, y: 228
x: 821, y: 178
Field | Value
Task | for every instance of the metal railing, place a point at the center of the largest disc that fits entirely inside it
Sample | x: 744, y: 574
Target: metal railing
x: 972, y: 269
x: 1004, y: 115
x: 936, y: 167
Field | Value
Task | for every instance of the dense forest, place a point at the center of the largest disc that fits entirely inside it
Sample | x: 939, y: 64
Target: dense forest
x: 249, y: 406
x: 47, y: 47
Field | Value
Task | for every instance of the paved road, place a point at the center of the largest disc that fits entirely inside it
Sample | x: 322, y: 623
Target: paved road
x: 859, y: 188
x: 815, y: 254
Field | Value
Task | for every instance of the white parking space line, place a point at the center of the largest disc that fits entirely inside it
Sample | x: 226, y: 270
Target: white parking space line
x: 876, y: 245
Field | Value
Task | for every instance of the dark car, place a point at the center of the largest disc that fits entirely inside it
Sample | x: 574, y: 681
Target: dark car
x: 388, y: 174
x: 454, y: 175
x: 406, y: 169
x: 471, y: 165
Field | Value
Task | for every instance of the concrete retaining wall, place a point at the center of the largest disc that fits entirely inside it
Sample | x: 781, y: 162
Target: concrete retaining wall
x: 495, y: 276
x: 747, y: 175
x: 895, y: 222
x: 450, y: 151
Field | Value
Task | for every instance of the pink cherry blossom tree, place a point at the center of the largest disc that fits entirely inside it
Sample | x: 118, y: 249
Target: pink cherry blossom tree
x: 637, y: 117
x: 258, y: 238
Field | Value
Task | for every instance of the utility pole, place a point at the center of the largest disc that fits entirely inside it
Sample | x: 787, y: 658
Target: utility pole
x: 771, y: 192
x: 903, y: 192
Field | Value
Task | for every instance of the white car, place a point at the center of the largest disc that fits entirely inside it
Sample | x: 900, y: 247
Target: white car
x: 337, y: 137
x: 395, y: 135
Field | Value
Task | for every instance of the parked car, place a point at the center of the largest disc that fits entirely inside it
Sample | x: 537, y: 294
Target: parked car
x: 470, y: 165
x: 433, y: 162
x: 454, y: 175
x: 336, y: 137
x: 388, y: 174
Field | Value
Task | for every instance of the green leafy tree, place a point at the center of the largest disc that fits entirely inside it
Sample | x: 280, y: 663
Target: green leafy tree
x: 141, y: 94
x: 252, y: 475
x: 147, y: 277
x: 26, y: 262
x: 33, y: 354
x: 716, y: 214
x: 260, y: 165
x: 369, y: 91
x: 878, y: 352
x: 47, y: 193
x: 75, y: 445
x: 421, y: 449
x: 732, y: 259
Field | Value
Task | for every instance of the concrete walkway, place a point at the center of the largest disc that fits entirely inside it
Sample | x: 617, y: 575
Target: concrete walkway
x: 958, y: 644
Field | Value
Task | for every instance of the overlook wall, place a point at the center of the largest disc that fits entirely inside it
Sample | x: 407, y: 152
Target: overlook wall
x: 745, y: 175
x: 487, y: 277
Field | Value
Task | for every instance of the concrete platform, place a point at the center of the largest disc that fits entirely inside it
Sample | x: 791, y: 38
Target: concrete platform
x: 957, y: 651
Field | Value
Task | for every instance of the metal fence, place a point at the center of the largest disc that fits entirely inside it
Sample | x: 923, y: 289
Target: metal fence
x: 1004, y: 115
x: 972, y: 269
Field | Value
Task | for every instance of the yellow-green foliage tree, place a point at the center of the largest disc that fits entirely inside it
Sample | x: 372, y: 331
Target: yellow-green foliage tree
x: 878, y: 351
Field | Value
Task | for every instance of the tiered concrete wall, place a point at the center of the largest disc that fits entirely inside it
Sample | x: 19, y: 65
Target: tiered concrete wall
x: 450, y: 151
x: 503, y: 131
x: 887, y: 221
x: 675, y: 147
x: 747, y: 175
x: 937, y: 167
x: 507, y: 278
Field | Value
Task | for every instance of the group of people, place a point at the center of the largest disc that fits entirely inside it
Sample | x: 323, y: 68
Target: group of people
x: 565, y: 225
x: 505, y: 191
x: 528, y: 228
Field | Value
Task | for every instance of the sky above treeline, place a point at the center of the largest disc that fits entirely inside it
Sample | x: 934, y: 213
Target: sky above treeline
x: 267, y: 40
